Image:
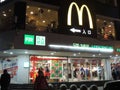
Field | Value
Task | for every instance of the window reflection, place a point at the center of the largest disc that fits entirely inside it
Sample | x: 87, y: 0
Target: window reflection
x: 105, y: 29
x: 41, y: 19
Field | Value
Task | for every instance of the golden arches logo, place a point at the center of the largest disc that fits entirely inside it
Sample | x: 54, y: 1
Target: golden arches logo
x: 80, y: 14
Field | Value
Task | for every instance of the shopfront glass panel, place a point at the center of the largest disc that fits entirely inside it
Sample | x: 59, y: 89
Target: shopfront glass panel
x: 61, y: 69
x: 41, y: 19
x: 54, y: 68
x: 86, y: 69
x: 115, y: 69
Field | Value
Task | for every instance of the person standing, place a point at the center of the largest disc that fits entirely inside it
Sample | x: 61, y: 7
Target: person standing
x: 5, y: 80
x: 40, y: 82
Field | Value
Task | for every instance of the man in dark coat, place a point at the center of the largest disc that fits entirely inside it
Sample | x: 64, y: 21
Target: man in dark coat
x: 5, y: 80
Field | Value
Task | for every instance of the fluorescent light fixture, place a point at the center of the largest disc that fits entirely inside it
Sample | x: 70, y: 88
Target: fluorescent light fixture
x: 105, y: 50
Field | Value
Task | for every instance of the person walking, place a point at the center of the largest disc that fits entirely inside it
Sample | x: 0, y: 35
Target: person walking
x: 40, y: 82
x: 5, y: 80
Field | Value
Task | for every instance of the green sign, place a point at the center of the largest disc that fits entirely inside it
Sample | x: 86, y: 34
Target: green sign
x: 40, y: 40
x: 92, y: 46
x: 29, y: 39
x: 118, y: 49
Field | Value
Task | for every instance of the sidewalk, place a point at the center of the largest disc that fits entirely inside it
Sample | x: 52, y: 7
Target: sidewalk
x: 99, y: 88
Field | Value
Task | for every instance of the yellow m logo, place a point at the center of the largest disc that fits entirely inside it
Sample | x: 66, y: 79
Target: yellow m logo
x: 80, y: 14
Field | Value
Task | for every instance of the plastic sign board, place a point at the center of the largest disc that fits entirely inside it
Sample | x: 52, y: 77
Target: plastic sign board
x: 29, y: 39
x: 34, y: 40
x: 80, y: 18
x: 40, y: 40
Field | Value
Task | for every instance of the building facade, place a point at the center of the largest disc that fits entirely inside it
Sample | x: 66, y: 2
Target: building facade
x: 70, y: 40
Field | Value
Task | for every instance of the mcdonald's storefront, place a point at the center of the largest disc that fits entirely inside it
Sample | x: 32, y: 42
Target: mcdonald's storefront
x: 70, y: 54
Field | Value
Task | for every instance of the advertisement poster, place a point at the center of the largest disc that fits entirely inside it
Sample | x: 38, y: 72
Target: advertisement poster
x: 56, y: 69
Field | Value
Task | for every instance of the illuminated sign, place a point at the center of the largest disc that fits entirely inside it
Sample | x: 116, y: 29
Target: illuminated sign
x: 34, y: 40
x: 92, y: 46
x: 29, y: 39
x: 40, y: 40
x: 80, y: 17
x: 2, y: 1
x: 118, y: 50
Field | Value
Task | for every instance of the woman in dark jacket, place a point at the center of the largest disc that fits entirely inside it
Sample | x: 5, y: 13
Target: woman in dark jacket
x: 40, y: 82
x: 5, y: 80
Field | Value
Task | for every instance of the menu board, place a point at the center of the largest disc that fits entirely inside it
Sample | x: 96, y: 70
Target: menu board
x: 56, y: 69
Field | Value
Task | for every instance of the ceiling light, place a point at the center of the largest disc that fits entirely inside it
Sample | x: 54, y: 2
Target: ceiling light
x: 109, y: 26
x: 38, y: 8
x: 31, y: 12
x: 11, y: 52
x: 4, y: 15
x: 49, y: 10
x: 43, y: 21
x: 28, y: 6
x: 26, y: 52
x: 4, y: 51
x: 52, y: 53
x: 9, y: 10
x: 98, y: 20
x: 3, y: 12
x: 74, y: 54
x: 93, y: 55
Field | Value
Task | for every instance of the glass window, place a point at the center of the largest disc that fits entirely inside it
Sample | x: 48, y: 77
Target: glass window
x: 62, y: 69
x: 6, y: 19
x: 86, y: 69
x: 41, y: 19
x: 105, y: 29
x: 54, y: 68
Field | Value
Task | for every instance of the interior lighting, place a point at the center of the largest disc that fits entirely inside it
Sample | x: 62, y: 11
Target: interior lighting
x: 105, y: 50
x: 43, y: 21
x: 11, y: 53
x: 28, y: 6
x: 109, y: 26
x: 74, y: 54
x: 49, y: 10
x: 4, y: 51
x: 93, y: 55
x: 26, y: 52
x: 4, y: 15
x: 32, y: 12
x: 9, y: 10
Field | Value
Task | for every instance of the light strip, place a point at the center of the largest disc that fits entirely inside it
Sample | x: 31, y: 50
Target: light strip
x: 105, y: 50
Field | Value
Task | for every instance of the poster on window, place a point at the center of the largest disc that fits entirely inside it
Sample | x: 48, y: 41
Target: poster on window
x: 56, y: 69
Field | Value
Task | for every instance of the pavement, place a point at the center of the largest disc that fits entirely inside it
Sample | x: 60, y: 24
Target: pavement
x: 99, y: 88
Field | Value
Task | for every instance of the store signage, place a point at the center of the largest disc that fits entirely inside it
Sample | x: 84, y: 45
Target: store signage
x: 34, y: 40
x: 83, y: 31
x: 80, y: 18
x: 40, y: 40
x: 92, y: 46
x: 118, y: 50
x: 1, y: 1
x: 29, y: 39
